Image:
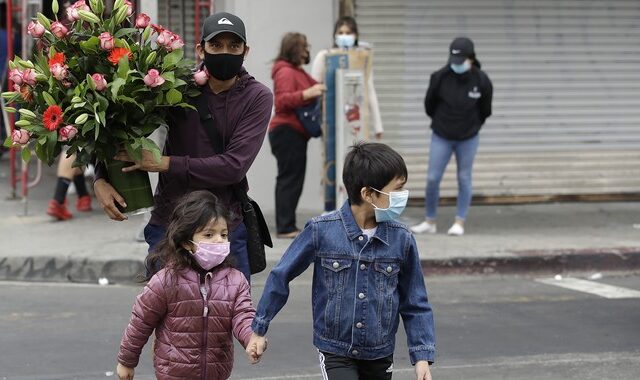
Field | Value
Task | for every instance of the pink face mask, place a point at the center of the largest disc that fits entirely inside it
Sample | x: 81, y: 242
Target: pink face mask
x: 210, y: 255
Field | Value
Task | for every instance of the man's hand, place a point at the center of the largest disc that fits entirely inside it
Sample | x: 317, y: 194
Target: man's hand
x: 107, y: 196
x: 124, y: 373
x: 422, y: 370
x: 148, y: 162
x: 256, y: 347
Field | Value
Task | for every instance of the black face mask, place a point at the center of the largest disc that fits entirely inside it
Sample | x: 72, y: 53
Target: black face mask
x: 307, y: 59
x: 223, y: 66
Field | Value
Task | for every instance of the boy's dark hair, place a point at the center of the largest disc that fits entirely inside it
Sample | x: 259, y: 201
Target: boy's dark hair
x: 371, y: 165
x: 191, y: 214
x: 350, y: 22
x: 292, y: 47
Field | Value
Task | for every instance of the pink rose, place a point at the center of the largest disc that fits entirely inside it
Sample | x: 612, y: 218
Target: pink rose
x: 72, y: 14
x: 176, y: 43
x: 35, y: 29
x: 20, y: 136
x: 67, y: 132
x: 130, y: 7
x: 29, y: 77
x: 201, y: 77
x: 142, y: 21
x: 59, y: 71
x: 81, y: 5
x: 153, y: 78
x: 16, y: 76
x: 164, y: 38
x: 106, y: 41
x: 59, y: 30
x: 99, y: 81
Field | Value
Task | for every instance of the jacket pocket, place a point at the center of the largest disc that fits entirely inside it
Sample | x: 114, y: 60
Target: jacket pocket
x: 386, y: 277
x: 336, y: 273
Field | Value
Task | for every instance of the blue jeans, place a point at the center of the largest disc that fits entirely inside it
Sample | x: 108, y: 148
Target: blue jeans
x: 439, y: 155
x: 153, y: 234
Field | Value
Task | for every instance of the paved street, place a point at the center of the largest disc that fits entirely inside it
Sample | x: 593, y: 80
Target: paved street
x: 487, y: 328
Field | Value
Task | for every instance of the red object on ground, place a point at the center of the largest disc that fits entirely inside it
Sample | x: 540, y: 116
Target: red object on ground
x: 58, y: 211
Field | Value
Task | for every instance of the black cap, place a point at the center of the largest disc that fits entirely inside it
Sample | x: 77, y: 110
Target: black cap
x: 223, y: 22
x: 460, y: 49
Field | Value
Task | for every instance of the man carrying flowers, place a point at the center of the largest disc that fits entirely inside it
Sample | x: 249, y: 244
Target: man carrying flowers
x: 240, y: 108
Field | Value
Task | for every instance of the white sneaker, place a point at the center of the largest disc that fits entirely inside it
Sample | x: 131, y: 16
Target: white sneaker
x: 423, y: 227
x: 456, y: 230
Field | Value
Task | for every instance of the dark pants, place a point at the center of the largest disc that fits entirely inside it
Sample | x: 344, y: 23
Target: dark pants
x: 335, y: 367
x: 290, y: 149
x: 153, y: 234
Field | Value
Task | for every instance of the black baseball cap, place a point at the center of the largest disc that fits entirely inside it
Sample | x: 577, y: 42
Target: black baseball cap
x: 223, y: 22
x: 460, y: 49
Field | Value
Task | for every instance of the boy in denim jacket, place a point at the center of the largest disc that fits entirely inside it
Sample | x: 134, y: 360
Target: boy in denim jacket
x: 367, y: 274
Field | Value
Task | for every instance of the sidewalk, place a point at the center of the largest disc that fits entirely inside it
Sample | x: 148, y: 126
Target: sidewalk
x: 499, y: 239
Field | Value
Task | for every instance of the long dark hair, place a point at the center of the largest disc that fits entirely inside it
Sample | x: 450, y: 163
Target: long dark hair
x: 291, y: 48
x: 350, y: 22
x: 191, y: 214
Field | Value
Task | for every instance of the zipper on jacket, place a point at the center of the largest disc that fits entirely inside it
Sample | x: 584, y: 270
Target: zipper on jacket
x: 205, y: 331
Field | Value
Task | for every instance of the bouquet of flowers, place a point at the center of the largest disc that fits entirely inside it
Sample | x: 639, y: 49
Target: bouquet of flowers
x: 98, y: 84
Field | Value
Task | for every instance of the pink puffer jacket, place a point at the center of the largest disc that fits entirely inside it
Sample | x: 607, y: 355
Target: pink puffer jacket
x: 193, y: 337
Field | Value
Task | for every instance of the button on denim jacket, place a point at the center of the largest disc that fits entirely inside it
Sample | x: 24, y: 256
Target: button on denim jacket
x: 360, y: 288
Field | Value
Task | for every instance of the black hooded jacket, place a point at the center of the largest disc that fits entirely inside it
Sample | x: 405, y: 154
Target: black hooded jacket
x: 458, y: 104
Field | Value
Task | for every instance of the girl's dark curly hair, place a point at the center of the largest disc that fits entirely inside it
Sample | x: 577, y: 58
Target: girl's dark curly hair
x: 191, y: 214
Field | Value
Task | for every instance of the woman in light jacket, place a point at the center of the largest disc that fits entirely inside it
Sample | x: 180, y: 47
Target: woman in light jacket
x: 345, y: 33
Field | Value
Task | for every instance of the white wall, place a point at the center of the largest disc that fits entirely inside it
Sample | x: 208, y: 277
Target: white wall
x: 266, y: 22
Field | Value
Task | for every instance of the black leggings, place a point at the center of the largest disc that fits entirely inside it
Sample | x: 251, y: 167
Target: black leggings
x: 336, y: 367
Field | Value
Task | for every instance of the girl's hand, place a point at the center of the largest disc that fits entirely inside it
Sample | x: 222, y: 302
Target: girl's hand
x: 124, y: 373
x: 422, y: 370
x: 256, y: 347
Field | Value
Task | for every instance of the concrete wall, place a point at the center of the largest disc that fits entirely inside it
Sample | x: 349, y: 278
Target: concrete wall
x: 266, y: 23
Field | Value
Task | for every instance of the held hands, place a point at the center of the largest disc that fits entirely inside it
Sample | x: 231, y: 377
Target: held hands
x: 107, y: 196
x: 256, y: 347
x: 314, y: 91
x: 148, y: 162
x: 422, y: 370
x: 124, y: 373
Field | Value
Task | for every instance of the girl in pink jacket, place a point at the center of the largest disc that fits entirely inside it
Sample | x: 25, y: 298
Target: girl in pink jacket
x: 195, y: 304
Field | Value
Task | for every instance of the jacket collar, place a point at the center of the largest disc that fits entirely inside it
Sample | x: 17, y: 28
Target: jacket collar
x: 354, y: 231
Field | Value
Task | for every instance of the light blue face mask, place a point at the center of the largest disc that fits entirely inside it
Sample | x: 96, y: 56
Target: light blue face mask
x: 345, y: 41
x: 397, y: 203
x: 461, y: 68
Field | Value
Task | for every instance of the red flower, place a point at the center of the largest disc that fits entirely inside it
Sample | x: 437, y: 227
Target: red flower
x: 57, y: 58
x: 52, y: 118
x: 117, y: 53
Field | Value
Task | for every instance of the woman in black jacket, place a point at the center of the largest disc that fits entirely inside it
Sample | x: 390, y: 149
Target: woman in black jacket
x: 458, y: 101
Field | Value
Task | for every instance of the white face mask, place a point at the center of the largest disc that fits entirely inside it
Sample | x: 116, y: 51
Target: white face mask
x: 345, y: 41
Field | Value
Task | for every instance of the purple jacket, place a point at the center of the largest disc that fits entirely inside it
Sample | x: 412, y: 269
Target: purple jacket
x: 193, y: 323
x: 241, y: 115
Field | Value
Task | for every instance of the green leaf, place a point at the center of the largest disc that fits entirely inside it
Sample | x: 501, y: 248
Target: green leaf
x: 96, y: 132
x: 52, y: 140
x: 169, y: 76
x: 172, y: 58
x: 88, y: 127
x: 79, y: 105
x: 123, y: 67
x: 90, y: 45
x: 179, y: 82
x: 125, y: 31
x: 8, y: 142
x: 173, y: 96
x: 26, y: 154
x: 48, y: 98
x: 151, y: 146
x: 115, y: 86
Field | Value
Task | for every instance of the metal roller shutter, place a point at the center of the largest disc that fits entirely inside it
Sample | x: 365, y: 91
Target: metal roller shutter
x: 178, y: 16
x: 566, y: 109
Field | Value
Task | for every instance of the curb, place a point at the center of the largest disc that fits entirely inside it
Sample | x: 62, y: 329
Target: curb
x: 126, y: 271
x: 542, y: 262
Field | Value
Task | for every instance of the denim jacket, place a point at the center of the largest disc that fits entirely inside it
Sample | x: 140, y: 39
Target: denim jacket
x: 360, y: 288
